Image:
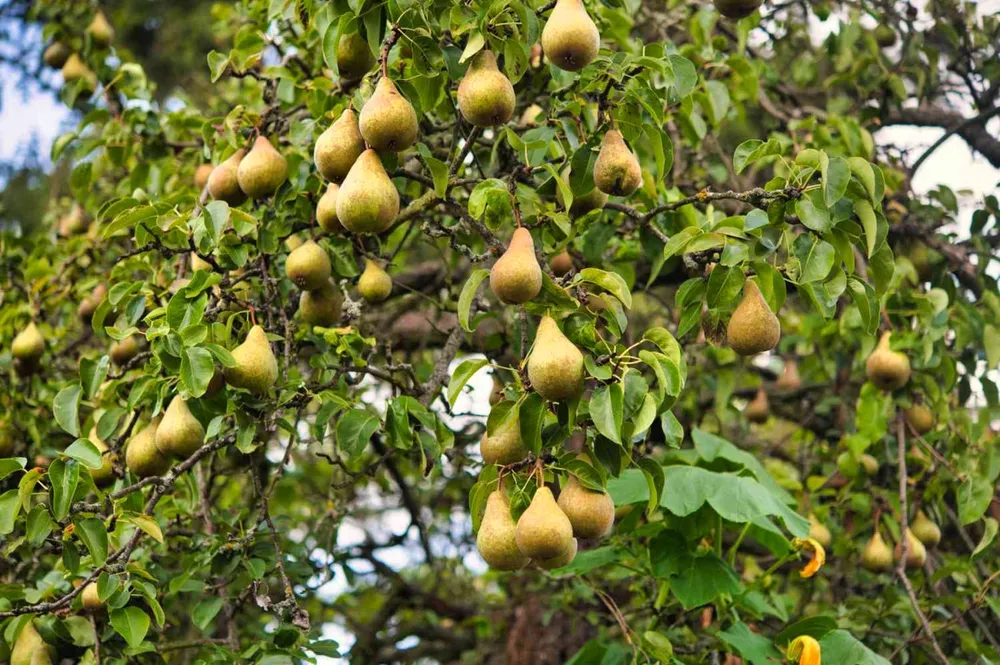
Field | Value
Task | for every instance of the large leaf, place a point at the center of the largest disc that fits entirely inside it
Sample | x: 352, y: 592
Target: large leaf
x: 695, y: 578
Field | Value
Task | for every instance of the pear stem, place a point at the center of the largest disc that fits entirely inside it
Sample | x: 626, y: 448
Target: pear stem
x: 390, y: 40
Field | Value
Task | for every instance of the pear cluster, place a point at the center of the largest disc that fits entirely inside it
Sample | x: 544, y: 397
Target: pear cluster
x: 177, y: 434
x: 256, y: 174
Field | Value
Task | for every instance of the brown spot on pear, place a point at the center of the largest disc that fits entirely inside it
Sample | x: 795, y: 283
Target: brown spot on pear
x: 256, y: 368
x: 223, y: 183
x: 367, y: 201
x: 374, y: 285
x: 321, y: 307
x: 339, y: 147
x: 485, y: 95
x: 876, y: 556
x: 496, y: 541
x: 543, y: 531
x: 388, y: 121
x: 516, y: 277
x: 179, y: 433
x: 308, y: 266
x: 753, y: 327
x: 570, y: 38
x: 616, y: 171
x: 555, y: 366
x: 262, y: 171
x: 926, y: 531
x: 142, y: 457
x: 757, y: 410
x: 887, y: 369
x: 354, y: 57
x: 591, y: 513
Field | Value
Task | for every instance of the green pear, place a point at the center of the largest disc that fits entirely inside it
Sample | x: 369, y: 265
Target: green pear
x: 100, y: 31
x: 142, y: 457
x: 29, y: 647
x: 570, y: 38
x: 595, y: 199
x: 354, y: 57
x: 916, y: 553
x: 737, y: 9
x: 496, y: 541
x: 887, y: 369
x: 485, y: 95
x: 308, y: 266
x: 56, y: 54
x: 262, y: 171
x: 256, y: 368
x: 90, y: 599
x: 920, y: 418
x: 926, y: 531
x: 339, y: 147
x: 321, y: 307
x: 555, y: 366
x: 388, y: 122
x: 591, y: 513
x: 505, y: 446
x: 124, y: 350
x: 223, y: 182
x: 616, y: 171
x: 75, y: 69
x: 28, y: 346
x: 753, y: 327
x: 516, y: 277
x: 105, y: 474
x: 560, y: 560
x: 326, y: 210
x: 375, y: 284
x: 179, y: 433
x: 876, y: 556
x: 544, y: 531
x: 367, y: 201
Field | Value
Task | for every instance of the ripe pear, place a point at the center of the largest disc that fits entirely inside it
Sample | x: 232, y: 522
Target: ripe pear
x: 757, y: 410
x: 75, y: 69
x: 100, y: 31
x: 56, y: 54
x: 819, y: 532
x: 926, y: 531
x: 29, y: 647
x: 388, y: 121
x: 201, y: 175
x: 308, y: 266
x: 505, y: 446
x: 90, y: 599
x: 869, y: 464
x: 886, y: 368
x: 223, y: 183
x: 106, y: 473
x: 561, y: 560
x: 544, y: 531
x: 555, y: 366
x: 322, y: 306
x: 495, y: 541
x: 876, y: 556
x: 616, y: 171
x: 496, y: 393
x: 920, y: 418
x: 516, y: 277
x: 28, y: 346
x: 367, y: 201
x: 375, y: 285
x: 591, y: 513
x: 531, y: 115
x: 354, y: 57
x: 595, y: 199
x: 485, y: 95
x: 256, y: 368
x: 180, y: 433
x: 570, y: 38
x: 737, y: 9
x: 198, y: 263
x: 916, y: 552
x: 339, y: 147
x: 753, y: 327
x: 326, y: 210
x: 789, y: 379
x: 142, y: 457
x: 262, y: 171
x: 124, y: 350
x: 561, y: 264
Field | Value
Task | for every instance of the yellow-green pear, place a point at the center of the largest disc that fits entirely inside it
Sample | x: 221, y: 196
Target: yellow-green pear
x: 753, y: 327
x: 819, y: 532
x: 516, y: 277
x: 496, y: 541
x: 322, y: 306
x: 124, y: 350
x: 56, y: 54
x: 887, y: 369
x: 555, y: 366
x: 561, y: 264
x: 591, y: 513
x: 308, y: 266
x: 354, y: 57
x: 388, y: 121
x: 375, y: 285
x: 595, y: 199
x: 367, y: 201
x: 789, y: 379
x: 737, y: 9
x: 75, y: 69
x: 532, y: 115
x: 876, y: 556
x: 179, y: 433
x: 339, y: 147
x: 201, y: 175
x: 757, y: 410
x: 505, y: 446
x: 485, y: 95
x: 142, y: 457
x: 920, y: 418
x: 916, y: 553
x: 869, y: 464
x: 262, y: 171
x: 90, y: 599
x: 926, y: 531
x: 105, y: 474
x: 223, y: 183
x: 29, y: 647
x: 100, y: 31
x: 543, y: 531
x: 570, y: 38
x: 560, y: 560
x: 616, y: 171
x: 28, y: 346
x: 73, y: 222
x: 326, y: 210
x: 256, y: 368
x: 198, y: 263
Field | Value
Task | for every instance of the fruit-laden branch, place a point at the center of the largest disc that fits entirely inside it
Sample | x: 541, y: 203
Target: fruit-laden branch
x: 973, y: 132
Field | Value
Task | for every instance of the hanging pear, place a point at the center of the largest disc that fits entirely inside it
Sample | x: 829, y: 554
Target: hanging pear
x: 485, y: 95
x: 532, y: 116
x: 505, y: 446
x: 7, y: 436
x: 105, y: 474
x: 616, y: 171
x: 100, y: 31
x: 367, y: 201
x: 876, y: 556
x: 570, y: 38
x: 544, y: 531
x: 256, y: 368
x: 887, y: 369
x: 926, y: 531
x: 869, y: 464
x: 920, y: 418
x: 308, y: 266
x: 819, y: 532
x: 326, y: 210
x: 595, y: 199
x: 262, y: 171
x: 29, y: 647
x: 758, y: 409
x: 555, y: 366
x: 916, y: 553
x: 223, y: 183
x: 495, y: 541
x: 90, y: 303
x: 75, y: 69
x: 198, y: 263
x: 339, y: 147
x: 789, y: 379
x: 388, y: 122
x: 591, y: 513
x: 560, y: 560
x: 375, y: 285
x: 56, y: 54
x: 753, y: 327
x: 124, y: 350
x: 496, y: 393
x: 737, y: 9
x: 28, y: 346
x: 354, y: 57
x: 142, y: 457
x: 561, y: 264
x: 179, y: 433
x: 516, y: 277
x: 321, y: 307
x: 201, y: 174
x: 90, y: 599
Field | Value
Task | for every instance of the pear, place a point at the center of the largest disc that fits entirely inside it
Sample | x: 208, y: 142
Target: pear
x: 28, y: 346
x: 561, y: 264
x: 789, y: 379
x: 388, y: 121
x: 124, y: 350
x: 326, y: 210
x: 142, y: 457
x: 616, y: 171
x: 886, y: 368
x: 595, y: 199
x: 308, y: 266
x: 262, y: 171
x: 757, y: 410
x: 7, y: 435
x: 591, y: 513
x: 29, y: 647
x: 180, y: 433
x: 876, y: 556
x: 560, y: 560
x: 570, y: 39
x: 885, y: 36
x: 485, y: 95
x: 90, y: 599
x: 926, y: 531
x: 339, y: 147
x: 223, y: 183
x: 256, y: 368
x: 73, y: 222
x: 753, y: 327
x: 496, y: 394
x: 367, y: 201
x: 544, y: 531
x: 495, y: 540
x: 516, y: 277
x: 198, y: 263
x: 201, y: 174
x: 819, y: 532
x: 555, y: 366
x: 292, y: 243
x: 737, y: 9
x: 105, y: 474
x: 322, y: 306
x: 530, y: 117
x: 75, y: 69
x: 505, y: 446
x: 375, y: 285
x: 916, y: 553
x: 869, y: 464
x: 920, y: 418
x: 100, y: 31
x: 354, y: 57
x: 56, y: 54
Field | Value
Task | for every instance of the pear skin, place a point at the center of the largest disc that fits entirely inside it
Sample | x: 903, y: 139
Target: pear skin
x: 591, y: 513
x: 90, y: 599
x: 876, y: 556
x: 388, y: 122
x: 354, y: 57
x: 753, y: 327
x: 532, y: 116
x: 757, y: 410
x: 789, y: 379
x: 555, y: 366
x: 262, y: 171
x: 375, y: 284
x: 29, y: 647
x: 505, y: 446
x: 201, y: 174
x: 819, y: 532
x: 28, y: 346
x: 100, y: 31
x: 106, y: 473
x: 256, y: 368
x: 321, y: 307
x: 124, y: 350
x: 56, y: 54
x: 496, y: 541
x: 887, y: 369
x: 179, y: 433
x: 339, y: 147
x: 570, y: 38
x: 308, y: 266
x: 916, y: 553
x: 485, y: 95
x: 561, y: 264
x: 920, y: 418
x: 223, y: 183
x: 543, y: 531
x: 737, y: 9
x: 516, y: 277
x: 326, y: 210
x: 617, y: 171
x: 75, y: 69
x: 926, y: 531
x: 142, y: 457
x: 367, y: 201
x: 561, y: 560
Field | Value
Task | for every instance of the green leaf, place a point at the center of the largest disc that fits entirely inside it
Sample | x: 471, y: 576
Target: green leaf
x: 438, y: 169
x: 695, y: 580
x: 814, y: 626
x: 685, y: 74
x: 85, y: 452
x: 146, y: 524
x: 839, y: 646
x: 753, y: 647
x: 863, y: 171
x: 475, y: 44
x: 606, y: 405
x: 468, y: 295
x: 991, y: 343
x: 93, y: 373
x: 465, y: 371
x: 131, y: 623
x: 989, y: 533
x: 816, y: 258
x: 813, y: 216
x: 974, y: 496
x: 724, y: 286
x: 64, y: 475
x: 93, y: 534
x: 836, y: 176
x: 611, y: 282
x: 531, y: 417
x: 10, y: 506
x: 865, y: 212
x: 673, y: 431
x: 65, y: 407
x: 197, y: 368
x: 354, y: 430
x: 753, y: 150
x: 205, y: 611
